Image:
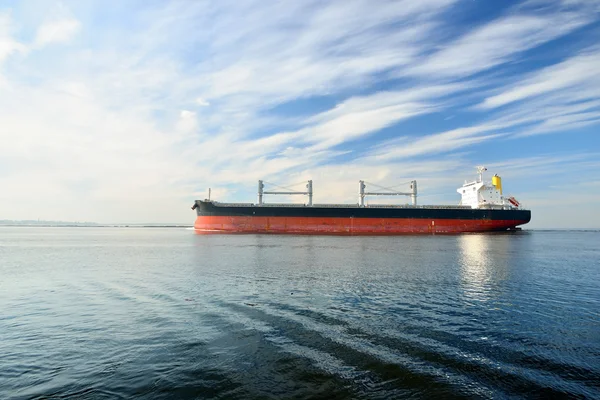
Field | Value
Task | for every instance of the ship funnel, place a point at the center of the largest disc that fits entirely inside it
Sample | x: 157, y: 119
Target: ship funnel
x: 497, y: 182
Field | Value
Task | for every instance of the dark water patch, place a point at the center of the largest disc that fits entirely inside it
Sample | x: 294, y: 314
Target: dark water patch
x: 254, y: 358
x: 360, y: 353
x: 491, y: 357
x: 506, y: 355
x: 511, y: 378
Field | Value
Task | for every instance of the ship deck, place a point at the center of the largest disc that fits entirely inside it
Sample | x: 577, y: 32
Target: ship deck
x: 326, y: 205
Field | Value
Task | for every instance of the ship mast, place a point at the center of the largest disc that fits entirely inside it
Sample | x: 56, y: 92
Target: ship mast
x: 480, y: 170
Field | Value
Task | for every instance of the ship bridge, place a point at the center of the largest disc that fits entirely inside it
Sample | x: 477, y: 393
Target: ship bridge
x: 480, y: 194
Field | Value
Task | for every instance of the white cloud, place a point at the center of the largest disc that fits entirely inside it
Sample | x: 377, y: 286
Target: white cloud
x: 8, y: 45
x: 202, y: 102
x: 56, y: 31
x: 187, y: 121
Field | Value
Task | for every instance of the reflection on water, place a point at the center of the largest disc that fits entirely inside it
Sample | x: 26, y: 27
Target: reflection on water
x: 483, y: 263
x: 475, y: 264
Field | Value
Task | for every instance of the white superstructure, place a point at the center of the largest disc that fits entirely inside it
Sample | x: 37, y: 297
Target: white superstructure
x: 480, y: 194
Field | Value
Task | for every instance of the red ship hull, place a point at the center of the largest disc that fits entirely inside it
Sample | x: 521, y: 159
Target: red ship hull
x: 347, y: 226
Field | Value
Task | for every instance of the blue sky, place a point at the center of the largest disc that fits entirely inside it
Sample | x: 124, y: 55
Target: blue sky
x: 128, y: 112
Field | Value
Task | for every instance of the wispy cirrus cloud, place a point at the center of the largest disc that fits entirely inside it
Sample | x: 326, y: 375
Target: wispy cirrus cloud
x: 575, y: 77
x: 502, y: 40
x: 557, y: 98
x: 443, y: 142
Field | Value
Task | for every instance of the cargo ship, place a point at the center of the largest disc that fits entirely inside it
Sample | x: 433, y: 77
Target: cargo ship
x: 482, y: 208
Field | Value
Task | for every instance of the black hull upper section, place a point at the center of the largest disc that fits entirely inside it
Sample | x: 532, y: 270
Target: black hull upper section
x: 208, y: 208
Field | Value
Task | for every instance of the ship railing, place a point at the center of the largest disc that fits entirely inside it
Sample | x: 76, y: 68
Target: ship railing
x: 338, y: 205
x: 282, y: 205
x: 256, y: 205
x: 325, y: 205
x: 218, y: 203
x: 441, y: 207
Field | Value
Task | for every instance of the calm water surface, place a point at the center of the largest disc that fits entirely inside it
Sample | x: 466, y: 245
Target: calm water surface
x: 155, y: 313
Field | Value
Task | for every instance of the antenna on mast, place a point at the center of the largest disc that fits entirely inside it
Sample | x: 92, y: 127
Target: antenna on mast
x: 480, y: 170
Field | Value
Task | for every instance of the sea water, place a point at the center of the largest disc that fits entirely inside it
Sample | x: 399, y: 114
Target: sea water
x: 92, y: 313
